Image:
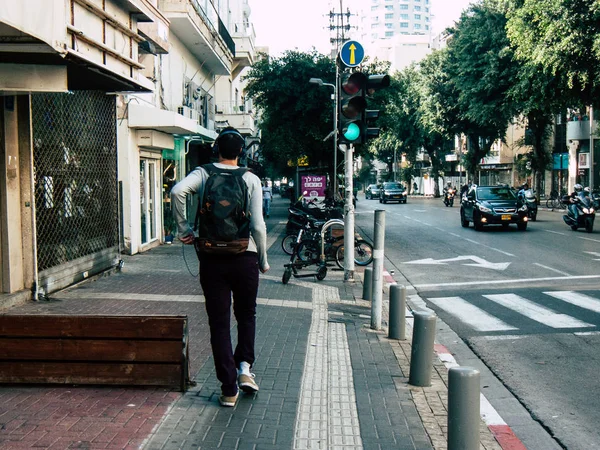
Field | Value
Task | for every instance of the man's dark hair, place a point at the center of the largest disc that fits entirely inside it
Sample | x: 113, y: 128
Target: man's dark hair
x: 229, y: 143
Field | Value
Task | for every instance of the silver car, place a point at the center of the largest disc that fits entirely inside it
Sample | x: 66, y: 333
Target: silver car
x: 372, y: 192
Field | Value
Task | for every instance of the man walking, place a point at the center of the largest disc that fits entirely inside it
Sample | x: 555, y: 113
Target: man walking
x: 231, y: 246
x: 267, y: 193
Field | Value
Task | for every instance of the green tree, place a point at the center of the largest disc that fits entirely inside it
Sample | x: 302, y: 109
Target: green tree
x: 481, y: 68
x: 433, y: 111
x: 560, y: 36
x: 295, y: 115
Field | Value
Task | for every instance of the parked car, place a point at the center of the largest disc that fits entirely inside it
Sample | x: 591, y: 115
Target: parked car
x: 493, y: 205
x: 372, y: 192
x: 392, y: 191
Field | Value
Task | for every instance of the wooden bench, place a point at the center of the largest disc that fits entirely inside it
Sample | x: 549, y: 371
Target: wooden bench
x: 116, y: 350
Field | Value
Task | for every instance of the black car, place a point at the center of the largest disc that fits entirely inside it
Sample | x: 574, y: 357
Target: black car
x: 372, y: 192
x: 493, y: 205
x: 392, y: 191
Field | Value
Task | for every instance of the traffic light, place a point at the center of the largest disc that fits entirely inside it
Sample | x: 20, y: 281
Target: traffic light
x: 370, y: 116
x: 351, y: 107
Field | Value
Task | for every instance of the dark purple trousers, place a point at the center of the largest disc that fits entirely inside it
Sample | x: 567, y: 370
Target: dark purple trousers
x: 221, y: 277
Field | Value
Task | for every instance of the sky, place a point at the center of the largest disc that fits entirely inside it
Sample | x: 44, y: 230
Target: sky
x: 286, y: 25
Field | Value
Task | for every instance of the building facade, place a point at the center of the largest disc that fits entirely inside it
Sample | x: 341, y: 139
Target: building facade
x: 105, y: 104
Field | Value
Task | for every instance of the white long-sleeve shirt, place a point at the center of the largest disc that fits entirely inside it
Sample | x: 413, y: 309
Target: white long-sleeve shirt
x: 194, y: 184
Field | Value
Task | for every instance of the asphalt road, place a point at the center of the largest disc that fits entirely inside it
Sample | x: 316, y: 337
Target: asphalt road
x: 526, y: 302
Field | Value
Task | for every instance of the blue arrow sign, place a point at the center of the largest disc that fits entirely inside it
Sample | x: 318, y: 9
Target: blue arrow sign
x: 352, y: 54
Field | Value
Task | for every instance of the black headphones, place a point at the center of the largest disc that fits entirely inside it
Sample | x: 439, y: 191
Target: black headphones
x: 225, y: 132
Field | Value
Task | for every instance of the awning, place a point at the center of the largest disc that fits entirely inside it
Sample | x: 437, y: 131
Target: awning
x: 150, y: 118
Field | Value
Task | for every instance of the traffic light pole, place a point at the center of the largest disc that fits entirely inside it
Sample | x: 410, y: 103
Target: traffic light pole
x: 335, y: 130
x: 349, y: 217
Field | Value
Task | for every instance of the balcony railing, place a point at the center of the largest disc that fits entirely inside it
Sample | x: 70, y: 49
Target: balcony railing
x: 233, y: 108
x: 226, y: 37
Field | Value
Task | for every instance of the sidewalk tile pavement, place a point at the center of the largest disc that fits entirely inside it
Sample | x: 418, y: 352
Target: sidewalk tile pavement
x: 326, y: 379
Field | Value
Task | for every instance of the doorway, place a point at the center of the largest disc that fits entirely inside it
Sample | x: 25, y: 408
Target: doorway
x: 149, y: 200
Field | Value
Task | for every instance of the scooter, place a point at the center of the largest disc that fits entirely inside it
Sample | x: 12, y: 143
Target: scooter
x: 585, y: 213
x: 449, y: 197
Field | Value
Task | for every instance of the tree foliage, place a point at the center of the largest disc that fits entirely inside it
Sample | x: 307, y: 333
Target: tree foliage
x: 295, y: 115
x: 560, y: 36
x: 481, y: 69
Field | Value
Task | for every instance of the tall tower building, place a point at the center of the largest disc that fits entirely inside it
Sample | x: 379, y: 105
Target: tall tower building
x: 386, y: 19
x: 398, y: 31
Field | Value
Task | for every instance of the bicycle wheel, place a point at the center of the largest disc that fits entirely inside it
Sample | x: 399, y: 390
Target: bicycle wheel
x: 288, y: 243
x: 363, y: 253
x: 550, y: 203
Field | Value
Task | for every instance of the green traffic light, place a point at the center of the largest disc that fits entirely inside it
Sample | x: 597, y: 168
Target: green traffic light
x: 352, y: 132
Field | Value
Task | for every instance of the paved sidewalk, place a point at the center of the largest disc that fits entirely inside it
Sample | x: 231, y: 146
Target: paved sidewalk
x: 327, y: 380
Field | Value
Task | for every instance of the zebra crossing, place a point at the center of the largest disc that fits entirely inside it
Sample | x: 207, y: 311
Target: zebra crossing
x: 489, y: 313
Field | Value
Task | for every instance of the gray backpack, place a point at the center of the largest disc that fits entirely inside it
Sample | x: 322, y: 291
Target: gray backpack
x: 223, y: 217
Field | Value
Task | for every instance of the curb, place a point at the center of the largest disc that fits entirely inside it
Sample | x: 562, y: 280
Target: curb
x: 499, y: 428
x: 501, y: 431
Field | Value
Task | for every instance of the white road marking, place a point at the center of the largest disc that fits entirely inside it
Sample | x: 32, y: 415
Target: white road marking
x: 555, y: 232
x: 477, y: 262
x: 587, y: 333
x: 537, y: 312
x: 553, y: 270
x: 577, y: 299
x: 504, y: 337
x: 516, y: 280
x: 589, y: 239
x: 455, y: 235
x: 594, y: 254
x: 470, y: 314
x: 499, y: 251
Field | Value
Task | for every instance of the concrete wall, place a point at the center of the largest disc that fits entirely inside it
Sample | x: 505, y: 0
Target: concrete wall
x: 16, y: 201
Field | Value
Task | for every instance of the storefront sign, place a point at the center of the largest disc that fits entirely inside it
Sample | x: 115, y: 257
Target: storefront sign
x: 583, y: 160
x: 314, y: 185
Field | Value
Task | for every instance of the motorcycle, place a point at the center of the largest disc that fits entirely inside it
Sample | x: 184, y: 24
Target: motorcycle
x: 585, y: 212
x: 527, y: 197
x: 449, y: 197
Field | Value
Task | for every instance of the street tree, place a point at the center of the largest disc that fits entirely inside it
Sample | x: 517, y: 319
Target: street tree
x: 296, y: 116
x: 433, y: 110
x: 562, y: 37
x: 481, y: 68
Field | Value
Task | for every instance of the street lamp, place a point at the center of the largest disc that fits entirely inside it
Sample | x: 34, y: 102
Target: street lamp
x: 320, y: 82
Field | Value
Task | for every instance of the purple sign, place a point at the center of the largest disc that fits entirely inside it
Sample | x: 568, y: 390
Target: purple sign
x: 314, y: 185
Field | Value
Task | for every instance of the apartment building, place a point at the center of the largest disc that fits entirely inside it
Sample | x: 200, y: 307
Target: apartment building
x: 105, y: 105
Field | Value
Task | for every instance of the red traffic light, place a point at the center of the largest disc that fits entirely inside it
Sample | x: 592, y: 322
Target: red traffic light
x: 354, y: 83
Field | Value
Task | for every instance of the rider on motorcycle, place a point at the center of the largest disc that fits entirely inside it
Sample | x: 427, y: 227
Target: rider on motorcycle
x: 573, y: 211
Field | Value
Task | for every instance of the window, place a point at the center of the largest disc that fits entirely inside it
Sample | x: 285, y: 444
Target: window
x: 389, y: 7
x: 417, y: 8
x: 403, y: 6
x: 427, y: 10
x: 417, y: 26
x: 374, y: 36
x: 403, y: 24
x: 426, y: 18
x: 404, y: 16
x: 389, y: 34
x: 374, y: 8
x: 427, y: 27
x: 389, y: 26
x: 417, y: 16
x: 374, y: 25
